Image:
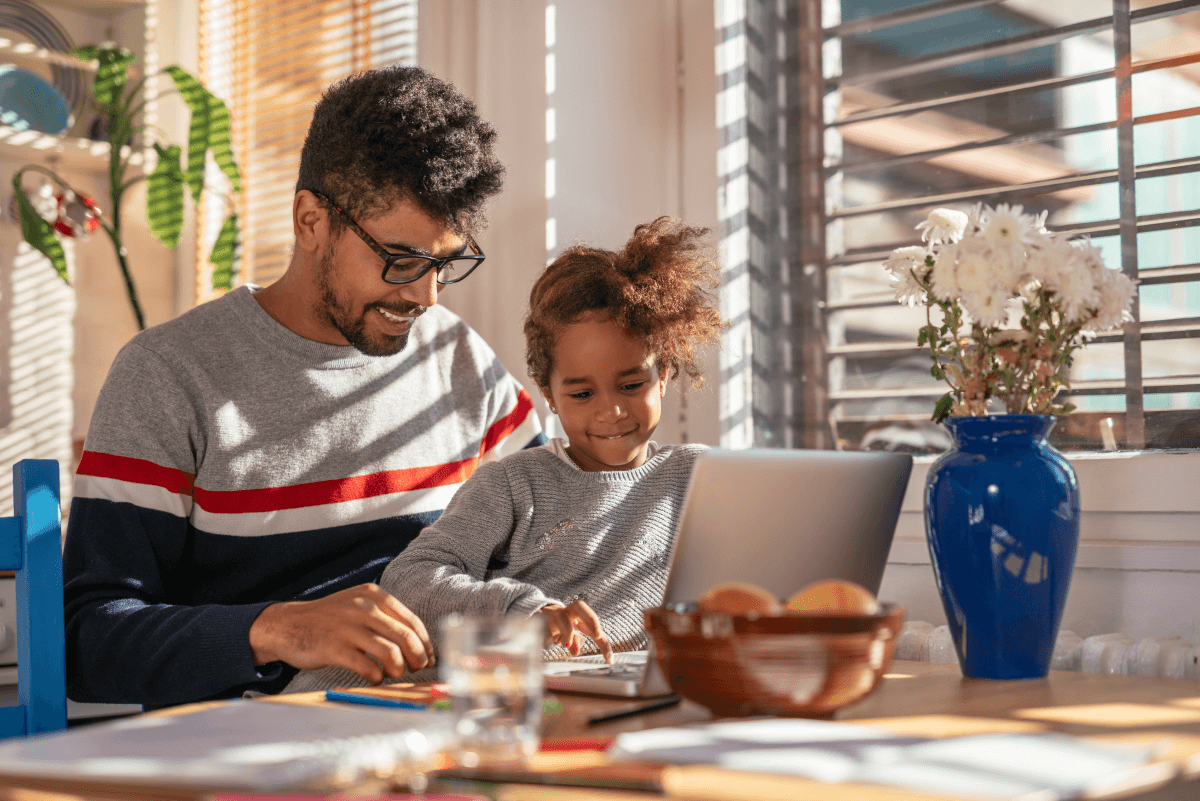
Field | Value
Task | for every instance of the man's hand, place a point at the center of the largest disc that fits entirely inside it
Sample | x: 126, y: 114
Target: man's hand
x: 360, y: 629
x: 568, y: 624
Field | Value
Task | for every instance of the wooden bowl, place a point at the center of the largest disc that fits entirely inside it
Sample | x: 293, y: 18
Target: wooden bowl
x: 794, y: 664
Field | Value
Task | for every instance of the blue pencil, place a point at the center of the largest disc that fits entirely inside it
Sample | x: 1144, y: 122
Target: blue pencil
x: 370, y: 700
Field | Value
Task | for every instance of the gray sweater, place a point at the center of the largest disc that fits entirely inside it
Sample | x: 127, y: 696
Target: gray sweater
x: 531, y: 530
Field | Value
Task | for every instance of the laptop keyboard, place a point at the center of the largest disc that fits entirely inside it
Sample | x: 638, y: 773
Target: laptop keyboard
x: 616, y: 671
x: 627, y: 665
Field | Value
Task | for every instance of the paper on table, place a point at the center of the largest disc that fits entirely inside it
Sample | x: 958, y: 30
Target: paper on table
x: 1030, y: 766
x: 239, y: 745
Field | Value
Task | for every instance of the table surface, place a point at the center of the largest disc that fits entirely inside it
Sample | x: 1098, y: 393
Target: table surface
x: 916, y: 698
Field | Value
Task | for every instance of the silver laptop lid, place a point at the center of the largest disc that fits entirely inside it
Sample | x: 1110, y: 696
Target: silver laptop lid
x: 783, y: 519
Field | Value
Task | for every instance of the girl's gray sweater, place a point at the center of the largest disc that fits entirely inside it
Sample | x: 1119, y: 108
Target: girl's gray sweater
x: 531, y: 530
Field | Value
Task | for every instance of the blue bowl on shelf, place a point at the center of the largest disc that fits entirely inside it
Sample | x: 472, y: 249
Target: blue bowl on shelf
x: 29, y: 103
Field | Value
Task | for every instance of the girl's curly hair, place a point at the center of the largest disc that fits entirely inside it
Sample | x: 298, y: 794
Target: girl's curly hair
x: 657, y: 287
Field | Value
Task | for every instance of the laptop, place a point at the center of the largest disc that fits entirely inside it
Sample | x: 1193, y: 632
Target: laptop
x: 780, y: 519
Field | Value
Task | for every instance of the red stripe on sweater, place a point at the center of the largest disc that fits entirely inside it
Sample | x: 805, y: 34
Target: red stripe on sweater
x: 273, y: 499
x: 509, y: 423
x: 338, y: 490
x: 135, y: 471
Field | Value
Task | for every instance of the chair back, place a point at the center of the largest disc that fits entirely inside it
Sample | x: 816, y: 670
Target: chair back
x: 31, y: 544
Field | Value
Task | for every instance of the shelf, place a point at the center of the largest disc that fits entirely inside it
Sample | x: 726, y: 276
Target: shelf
x: 35, y: 147
x: 106, y: 7
x: 26, y: 52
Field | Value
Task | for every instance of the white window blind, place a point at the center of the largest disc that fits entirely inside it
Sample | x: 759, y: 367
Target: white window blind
x: 856, y: 117
x: 270, y: 60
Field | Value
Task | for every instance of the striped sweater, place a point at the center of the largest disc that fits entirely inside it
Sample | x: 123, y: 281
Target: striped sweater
x: 231, y: 463
x: 531, y: 530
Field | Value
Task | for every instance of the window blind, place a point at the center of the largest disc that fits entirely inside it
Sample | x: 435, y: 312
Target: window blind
x: 1093, y: 118
x: 270, y: 60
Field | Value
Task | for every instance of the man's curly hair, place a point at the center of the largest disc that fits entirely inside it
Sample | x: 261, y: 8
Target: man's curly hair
x: 398, y: 133
x: 657, y: 287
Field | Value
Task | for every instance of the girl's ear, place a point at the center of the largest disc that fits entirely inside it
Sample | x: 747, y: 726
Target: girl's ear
x: 549, y: 400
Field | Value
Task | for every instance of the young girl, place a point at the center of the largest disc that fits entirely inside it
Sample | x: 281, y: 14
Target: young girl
x: 578, y: 530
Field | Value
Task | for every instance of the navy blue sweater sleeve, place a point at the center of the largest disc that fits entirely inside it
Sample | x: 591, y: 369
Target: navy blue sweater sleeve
x: 129, y: 639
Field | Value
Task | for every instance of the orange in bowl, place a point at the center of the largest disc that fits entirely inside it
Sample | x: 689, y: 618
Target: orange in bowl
x: 834, y: 596
x: 738, y: 598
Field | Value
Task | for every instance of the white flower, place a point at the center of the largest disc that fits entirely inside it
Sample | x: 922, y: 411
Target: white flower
x: 1074, y: 285
x: 1116, y: 296
x: 904, y: 260
x: 905, y: 265
x: 943, y: 225
x: 1044, y: 262
x: 1006, y: 227
x: 945, y: 282
x: 989, y: 309
x: 977, y: 269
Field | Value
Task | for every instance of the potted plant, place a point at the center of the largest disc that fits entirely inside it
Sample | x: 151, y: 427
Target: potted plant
x: 121, y: 102
x: 1007, y: 306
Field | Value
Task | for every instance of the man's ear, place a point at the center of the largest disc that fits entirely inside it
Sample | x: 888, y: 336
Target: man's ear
x: 310, y: 221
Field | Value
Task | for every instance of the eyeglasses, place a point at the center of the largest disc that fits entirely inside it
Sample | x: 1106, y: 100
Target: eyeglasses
x: 404, y: 268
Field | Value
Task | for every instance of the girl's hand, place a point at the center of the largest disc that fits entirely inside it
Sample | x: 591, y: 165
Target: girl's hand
x: 568, y: 624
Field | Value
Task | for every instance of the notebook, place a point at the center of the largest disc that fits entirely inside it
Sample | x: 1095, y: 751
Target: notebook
x: 777, y: 518
x: 251, y: 746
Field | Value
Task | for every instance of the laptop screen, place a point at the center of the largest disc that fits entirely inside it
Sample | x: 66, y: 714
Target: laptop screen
x: 783, y: 519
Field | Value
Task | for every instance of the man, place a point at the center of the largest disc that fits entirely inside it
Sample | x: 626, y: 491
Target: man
x: 253, y: 465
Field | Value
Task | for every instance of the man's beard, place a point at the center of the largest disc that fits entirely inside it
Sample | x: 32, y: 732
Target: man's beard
x: 354, y: 327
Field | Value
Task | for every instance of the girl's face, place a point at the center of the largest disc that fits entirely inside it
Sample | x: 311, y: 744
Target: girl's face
x: 607, y: 391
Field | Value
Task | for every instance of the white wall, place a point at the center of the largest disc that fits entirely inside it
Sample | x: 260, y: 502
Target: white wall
x: 627, y: 144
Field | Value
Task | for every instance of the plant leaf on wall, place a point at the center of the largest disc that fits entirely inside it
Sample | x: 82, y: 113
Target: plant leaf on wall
x: 209, y: 131
x: 224, y: 249
x: 164, y: 201
x: 40, y: 234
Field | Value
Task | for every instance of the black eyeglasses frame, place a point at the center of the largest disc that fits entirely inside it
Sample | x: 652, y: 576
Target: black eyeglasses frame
x: 390, y: 258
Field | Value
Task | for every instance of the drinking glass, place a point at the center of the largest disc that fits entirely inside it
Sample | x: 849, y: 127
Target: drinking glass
x: 493, y: 667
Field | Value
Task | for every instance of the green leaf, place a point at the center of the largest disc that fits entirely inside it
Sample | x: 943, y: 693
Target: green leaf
x: 223, y: 252
x: 209, y: 131
x: 112, y: 73
x: 220, y: 141
x: 936, y: 372
x: 40, y: 234
x: 942, y: 409
x: 196, y: 97
x: 1066, y: 408
x: 164, y: 196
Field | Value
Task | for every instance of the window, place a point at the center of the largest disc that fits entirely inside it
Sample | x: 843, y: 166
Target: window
x: 270, y: 61
x: 857, y: 124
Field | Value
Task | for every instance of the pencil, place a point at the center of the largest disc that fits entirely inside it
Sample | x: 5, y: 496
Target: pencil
x: 650, y: 706
x: 370, y: 700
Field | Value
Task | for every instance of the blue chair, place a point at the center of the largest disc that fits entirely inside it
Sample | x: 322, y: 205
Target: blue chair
x: 31, y: 544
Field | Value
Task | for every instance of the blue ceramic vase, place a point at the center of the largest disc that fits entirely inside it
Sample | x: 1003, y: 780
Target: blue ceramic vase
x: 1002, y: 520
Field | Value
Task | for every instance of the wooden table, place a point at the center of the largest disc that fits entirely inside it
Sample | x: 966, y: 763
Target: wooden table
x: 917, y: 698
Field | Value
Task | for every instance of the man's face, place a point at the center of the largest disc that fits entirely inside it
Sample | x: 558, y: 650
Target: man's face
x: 355, y: 301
